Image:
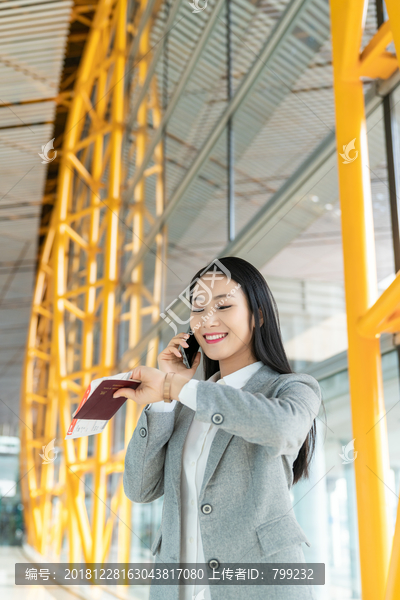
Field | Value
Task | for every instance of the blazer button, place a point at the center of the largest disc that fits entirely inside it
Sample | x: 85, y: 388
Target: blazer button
x: 217, y: 419
x: 213, y: 563
x: 143, y: 432
x: 206, y: 508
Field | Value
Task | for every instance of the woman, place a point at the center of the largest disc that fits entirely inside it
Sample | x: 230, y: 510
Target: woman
x: 224, y: 456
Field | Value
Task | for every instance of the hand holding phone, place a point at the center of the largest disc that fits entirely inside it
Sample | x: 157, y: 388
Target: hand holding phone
x: 190, y: 351
x: 181, y: 356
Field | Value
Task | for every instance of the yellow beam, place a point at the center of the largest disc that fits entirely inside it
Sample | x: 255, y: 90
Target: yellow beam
x: 74, y: 236
x: 383, y: 66
x: 74, y: 309
x: 374, y: 60
x: 39, y: 354
x: 372, y: 323
x: 40, y: 310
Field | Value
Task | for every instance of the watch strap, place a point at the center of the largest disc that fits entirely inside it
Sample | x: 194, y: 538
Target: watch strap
x: 167, y: 387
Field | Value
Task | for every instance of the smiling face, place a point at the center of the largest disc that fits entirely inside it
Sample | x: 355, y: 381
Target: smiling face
x: 222, y: 324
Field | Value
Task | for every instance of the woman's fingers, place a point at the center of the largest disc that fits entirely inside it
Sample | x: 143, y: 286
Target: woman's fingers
x: 171, y: 357
x: 139, y: 373
x: 125, y: 393
x: 172, y: 348
x: 180, y: 339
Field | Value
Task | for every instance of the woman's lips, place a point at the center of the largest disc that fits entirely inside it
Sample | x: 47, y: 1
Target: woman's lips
x: 215, y: 341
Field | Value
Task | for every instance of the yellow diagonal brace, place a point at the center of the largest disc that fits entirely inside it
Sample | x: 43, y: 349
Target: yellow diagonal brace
x: 374, y: 61
x: 369, y: 325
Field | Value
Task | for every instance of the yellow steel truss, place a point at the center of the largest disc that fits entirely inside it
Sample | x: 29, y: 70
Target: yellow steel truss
x: 136, y: 293
x: 367, y: 315
x: 76, y: 312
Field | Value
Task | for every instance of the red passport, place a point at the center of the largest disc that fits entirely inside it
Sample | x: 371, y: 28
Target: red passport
x: 101, y: 405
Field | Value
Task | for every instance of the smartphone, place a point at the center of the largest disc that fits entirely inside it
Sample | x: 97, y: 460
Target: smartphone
x: 189, y: 354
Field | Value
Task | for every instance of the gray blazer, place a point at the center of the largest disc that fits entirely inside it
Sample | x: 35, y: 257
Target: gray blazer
x: 245, y: 510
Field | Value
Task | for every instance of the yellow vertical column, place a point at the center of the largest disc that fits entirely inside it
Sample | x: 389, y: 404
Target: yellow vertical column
x: 135, y: 321
x: 364, y: 360
x: 393, y: 581
x: 107, y: 351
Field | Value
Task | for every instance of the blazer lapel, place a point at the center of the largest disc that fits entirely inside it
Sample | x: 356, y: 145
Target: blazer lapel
x: 221, y: 439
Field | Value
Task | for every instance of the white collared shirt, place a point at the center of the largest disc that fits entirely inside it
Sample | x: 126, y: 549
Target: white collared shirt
x: 194, y: 459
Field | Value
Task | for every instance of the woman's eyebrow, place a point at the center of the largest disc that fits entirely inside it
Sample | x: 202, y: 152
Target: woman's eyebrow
x: 215, y: 297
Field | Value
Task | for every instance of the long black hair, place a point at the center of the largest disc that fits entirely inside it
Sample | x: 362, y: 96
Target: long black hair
x: 266, y: 342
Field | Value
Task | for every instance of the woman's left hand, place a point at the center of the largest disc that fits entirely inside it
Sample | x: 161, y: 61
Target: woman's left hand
x: 151, y: 388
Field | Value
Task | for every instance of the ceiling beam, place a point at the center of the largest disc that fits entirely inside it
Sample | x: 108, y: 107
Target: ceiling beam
x: 271, y: 48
